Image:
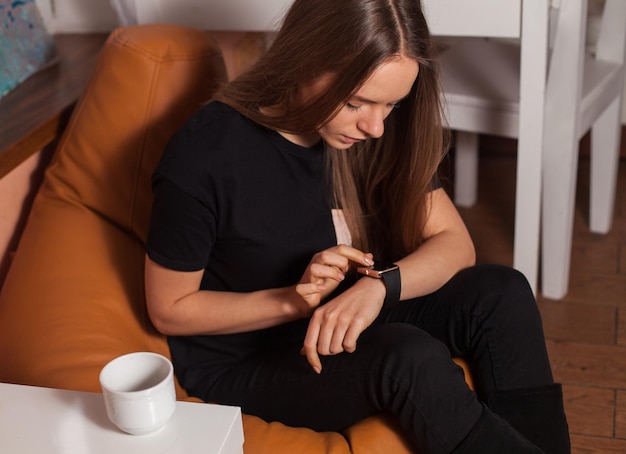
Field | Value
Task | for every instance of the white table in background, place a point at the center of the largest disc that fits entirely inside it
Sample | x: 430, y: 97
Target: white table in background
x: 37, y: 420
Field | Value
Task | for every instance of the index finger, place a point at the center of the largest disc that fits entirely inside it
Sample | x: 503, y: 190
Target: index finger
x: 356, y: 255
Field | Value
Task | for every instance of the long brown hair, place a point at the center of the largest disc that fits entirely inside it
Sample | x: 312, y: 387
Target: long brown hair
x: 381, y: 184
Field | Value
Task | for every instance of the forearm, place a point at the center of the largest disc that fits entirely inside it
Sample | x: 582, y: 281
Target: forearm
x: 447, y: 249
x: 177, y: 307
x: 211, y: 312
x: 435, y: 262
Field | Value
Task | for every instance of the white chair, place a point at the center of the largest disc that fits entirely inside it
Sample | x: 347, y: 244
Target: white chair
x: 541, y: 88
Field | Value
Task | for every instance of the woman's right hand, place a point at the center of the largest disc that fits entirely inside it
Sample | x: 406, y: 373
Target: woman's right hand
x: 326, y: 270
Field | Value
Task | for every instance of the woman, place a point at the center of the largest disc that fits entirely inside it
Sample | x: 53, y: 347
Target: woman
x: 317, y: 163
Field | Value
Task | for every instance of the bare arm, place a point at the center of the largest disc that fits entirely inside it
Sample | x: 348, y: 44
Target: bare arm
x: 177, y: 306
x: 448, y: 248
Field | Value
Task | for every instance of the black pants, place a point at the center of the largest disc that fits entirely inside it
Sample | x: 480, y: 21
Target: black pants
x: 402, y: 365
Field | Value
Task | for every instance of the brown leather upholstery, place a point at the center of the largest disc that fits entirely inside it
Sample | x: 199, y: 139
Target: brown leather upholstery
x: 74, y: 297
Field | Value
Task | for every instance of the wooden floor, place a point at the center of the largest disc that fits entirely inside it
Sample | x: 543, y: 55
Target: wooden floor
x: 586, y: 331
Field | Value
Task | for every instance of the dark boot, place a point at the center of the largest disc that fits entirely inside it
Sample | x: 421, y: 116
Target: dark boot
x: 493, y: 435
x: 537, y: 414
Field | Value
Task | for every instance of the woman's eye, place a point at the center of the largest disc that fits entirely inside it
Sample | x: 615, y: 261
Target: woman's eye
x: 352, y: 106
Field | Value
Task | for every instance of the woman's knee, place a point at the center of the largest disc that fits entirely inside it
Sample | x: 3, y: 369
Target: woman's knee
x: 503, y: 295
x: 496, y: 280
x: 498, y: 284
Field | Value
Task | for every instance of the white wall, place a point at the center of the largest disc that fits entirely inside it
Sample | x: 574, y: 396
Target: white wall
x: 70, y: 16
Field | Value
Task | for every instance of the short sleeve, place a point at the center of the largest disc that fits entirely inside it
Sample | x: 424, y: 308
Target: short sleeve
x: 182, y: 229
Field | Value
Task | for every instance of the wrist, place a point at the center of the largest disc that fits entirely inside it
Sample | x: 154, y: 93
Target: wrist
x: 374, y: 287
x: 389, y: 275
x: 293, y: 305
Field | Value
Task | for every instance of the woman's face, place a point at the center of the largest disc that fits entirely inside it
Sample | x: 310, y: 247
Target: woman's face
x: 363, y: 116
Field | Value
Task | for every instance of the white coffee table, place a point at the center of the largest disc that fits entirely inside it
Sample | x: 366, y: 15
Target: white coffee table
x: 37, y: 420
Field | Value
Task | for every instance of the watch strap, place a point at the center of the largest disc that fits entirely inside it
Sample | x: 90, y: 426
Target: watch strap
x: 393, y: 285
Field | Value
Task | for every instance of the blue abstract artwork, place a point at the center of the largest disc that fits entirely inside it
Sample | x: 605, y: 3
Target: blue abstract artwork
x: 25, y: 45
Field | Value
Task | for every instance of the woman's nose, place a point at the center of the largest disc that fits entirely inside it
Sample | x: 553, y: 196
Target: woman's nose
x: 372, y: 124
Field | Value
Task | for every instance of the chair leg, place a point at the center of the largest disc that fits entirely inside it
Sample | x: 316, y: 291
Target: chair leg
x: 528, y: 183
x: 533, y: 85
x: 605, y: 144
x: 559, y: 194
x: 466, y: 169
x: 560, y: 147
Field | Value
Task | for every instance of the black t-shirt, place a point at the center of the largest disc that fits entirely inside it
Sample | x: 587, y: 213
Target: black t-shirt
x: 250, y: 208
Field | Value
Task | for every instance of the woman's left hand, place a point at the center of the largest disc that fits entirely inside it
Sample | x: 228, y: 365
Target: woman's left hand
x: 336, y: 326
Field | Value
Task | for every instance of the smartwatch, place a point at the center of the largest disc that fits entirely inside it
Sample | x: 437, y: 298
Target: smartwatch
x: 390, y: 275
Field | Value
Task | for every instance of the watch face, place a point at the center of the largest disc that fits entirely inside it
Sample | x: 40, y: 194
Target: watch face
x: 382, y: 266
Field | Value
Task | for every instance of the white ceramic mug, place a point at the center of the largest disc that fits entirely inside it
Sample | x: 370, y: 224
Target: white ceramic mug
x: 139, y: 393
